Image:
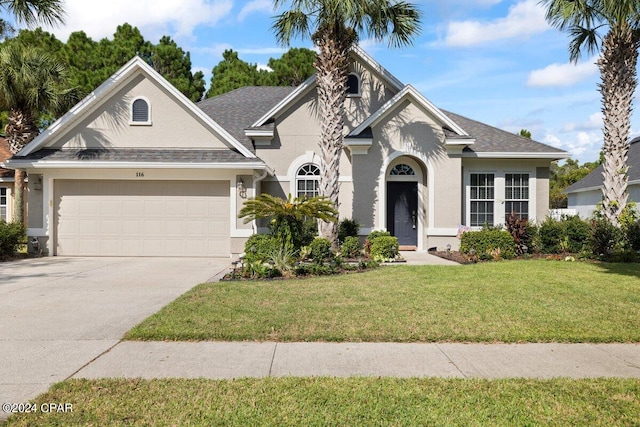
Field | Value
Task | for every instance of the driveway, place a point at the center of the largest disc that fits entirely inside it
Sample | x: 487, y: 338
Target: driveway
x: 57, y: 314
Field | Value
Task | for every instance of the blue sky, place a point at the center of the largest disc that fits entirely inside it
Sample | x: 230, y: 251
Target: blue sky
x: 495, y: 61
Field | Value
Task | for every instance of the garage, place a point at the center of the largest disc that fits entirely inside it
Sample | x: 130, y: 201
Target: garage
x: 141, y: 218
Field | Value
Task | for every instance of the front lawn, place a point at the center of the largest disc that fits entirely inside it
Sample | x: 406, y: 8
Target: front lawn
x: 341, y: 402
x: 509, y: 301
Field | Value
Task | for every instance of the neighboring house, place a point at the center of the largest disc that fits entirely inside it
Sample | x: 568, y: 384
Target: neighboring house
x: 138, y: 169
x: 584, y: 195
x: 6, y: 183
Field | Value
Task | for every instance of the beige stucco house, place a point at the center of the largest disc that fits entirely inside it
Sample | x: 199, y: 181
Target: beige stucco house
x: 138, y: 169
x: 6, y: 184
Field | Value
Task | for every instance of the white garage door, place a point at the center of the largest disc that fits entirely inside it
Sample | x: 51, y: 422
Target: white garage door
x: 142, y: 218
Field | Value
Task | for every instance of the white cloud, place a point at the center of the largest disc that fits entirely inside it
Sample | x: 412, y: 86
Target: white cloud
x: 593, y: 123
x: 255, y: 6
x: 562, y: 74
x: 582, y: 144
x: 524, y: 19
x: 154, y: 18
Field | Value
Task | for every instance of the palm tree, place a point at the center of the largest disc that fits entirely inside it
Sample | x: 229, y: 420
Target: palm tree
x: 287, y: 215
x: 29, y: 12
x: 613, y: 27
x: 31, y: 83
x: 334, y: 26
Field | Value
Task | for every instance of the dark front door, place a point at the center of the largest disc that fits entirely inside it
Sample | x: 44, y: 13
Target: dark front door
x: 402, y: 212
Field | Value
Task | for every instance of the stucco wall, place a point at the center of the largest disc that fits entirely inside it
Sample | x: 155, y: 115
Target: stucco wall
x: 585, y: 202
x: 172, y: 126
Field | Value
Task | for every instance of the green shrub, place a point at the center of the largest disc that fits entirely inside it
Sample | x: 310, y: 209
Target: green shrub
x: 320, y: 250
x: 348, y: 228
x: 384, y: 248
x: 377, y: 233
x: 488, y: 244
x: 12, y: 235
x: 577, y: 232
x: 260, y: 247
x: 309, y: 232
x: 605, y: 238
x: 350, y: 247
x: 315, y: 269
x: 633, y: 235
x: 550, y: 236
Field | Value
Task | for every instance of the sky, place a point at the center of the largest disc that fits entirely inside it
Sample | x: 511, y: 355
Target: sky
x: 495, y: 61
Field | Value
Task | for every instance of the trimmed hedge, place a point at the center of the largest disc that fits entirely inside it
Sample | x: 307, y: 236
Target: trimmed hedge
x: 488, y: 244
x: 384, y: 248
x: 350, y: 247
x: 320, y: 250
x: 260, y: 247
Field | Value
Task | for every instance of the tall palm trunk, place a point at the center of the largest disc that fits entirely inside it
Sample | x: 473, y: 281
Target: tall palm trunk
x: 617, y: 66
x: 20, y: 130
x: 332, y: 65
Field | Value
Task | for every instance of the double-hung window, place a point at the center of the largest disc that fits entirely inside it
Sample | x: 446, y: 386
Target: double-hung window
x: 516, y: 192
x: 307, y: 180
x: 482, y: 198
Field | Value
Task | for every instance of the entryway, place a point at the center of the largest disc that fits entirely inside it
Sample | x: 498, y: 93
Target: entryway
x: 402, y: 212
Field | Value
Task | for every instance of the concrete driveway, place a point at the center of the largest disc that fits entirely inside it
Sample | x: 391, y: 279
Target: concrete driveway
x: 57, y: 314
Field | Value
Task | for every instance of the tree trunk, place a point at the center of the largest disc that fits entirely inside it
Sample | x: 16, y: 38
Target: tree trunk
x: 617, y: 66
x: 332, y: 65
x: 18, y: 199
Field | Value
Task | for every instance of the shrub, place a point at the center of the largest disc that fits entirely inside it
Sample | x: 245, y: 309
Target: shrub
x: 320, y: 250
x: 309, y: 231
x: 522, y: 232
x: 260, y: 247
x: 577, y: 233
x: 384, y: 248
x: 348, y: 228
x: 550, y: 236
x: 12, y: 235
x: 315, y: 269
x: 377, y: 233
x: 633, y: 235
x: 488, y: 244
x: 350, y: 247
x: 605, y: 237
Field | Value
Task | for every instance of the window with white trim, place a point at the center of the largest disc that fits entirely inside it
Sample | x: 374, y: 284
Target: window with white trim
x: 4, y: 204
x: 516, y: 194
x: 353, y: 85
x: 140, y: 111
x: 307, y: 181
x: 482, y: 198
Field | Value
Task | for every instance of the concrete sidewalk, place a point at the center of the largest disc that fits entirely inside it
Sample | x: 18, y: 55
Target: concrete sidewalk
x: 223, y: 360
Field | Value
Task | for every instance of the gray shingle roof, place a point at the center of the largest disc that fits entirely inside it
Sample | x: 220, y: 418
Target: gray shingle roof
x: 139, y: 155
x: 594, y: 179
x: 237, y: 110
x: 490, y: 139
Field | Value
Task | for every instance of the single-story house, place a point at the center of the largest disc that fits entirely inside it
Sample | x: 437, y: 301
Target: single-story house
x: 584, y: 195
x: 138, y: 169
x: 6, y: 183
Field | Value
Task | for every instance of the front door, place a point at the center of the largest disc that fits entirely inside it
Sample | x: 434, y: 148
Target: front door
x: 402, y: 212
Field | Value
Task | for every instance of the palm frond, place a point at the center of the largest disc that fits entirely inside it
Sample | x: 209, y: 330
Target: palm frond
x: 33, y: 12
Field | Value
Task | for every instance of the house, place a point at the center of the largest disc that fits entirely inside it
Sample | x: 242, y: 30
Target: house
x: 6, y: 183
x: 584, y: 195
x: 138, y: 169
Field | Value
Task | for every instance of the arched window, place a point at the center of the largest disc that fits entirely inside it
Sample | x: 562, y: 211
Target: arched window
x: 140, y: 111
x: 307, y: 180
x: 402, y: 169
x: 353, y: 85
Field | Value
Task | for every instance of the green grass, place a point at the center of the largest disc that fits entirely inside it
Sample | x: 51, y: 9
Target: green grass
x: 515, y: 301
x: 344, y: 402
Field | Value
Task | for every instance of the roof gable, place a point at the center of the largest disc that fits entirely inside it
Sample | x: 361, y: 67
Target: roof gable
x: 131, y: 71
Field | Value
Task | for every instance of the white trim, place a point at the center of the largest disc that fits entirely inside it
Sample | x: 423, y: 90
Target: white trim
x: 7, y: 180
x: 96, y: 98
x: 599, y: 187
x: 382, y: 192
x: 141, y: 123
x: 43, y: 164
x: 358, y: 146
x: 285, y: 178
x: 459, y: 141
x: 259, y: 133
x: 515, y: 155
x: 310, y: 83
x: 410, y: 92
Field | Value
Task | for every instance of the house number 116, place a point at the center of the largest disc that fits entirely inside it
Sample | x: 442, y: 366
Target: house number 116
x: 139, y: 174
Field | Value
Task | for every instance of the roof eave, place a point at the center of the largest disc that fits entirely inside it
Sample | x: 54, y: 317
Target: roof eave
x: 515, y: 155
x: 52, y: 164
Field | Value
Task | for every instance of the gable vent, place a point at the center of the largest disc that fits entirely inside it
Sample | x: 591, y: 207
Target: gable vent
x: 140, y: 111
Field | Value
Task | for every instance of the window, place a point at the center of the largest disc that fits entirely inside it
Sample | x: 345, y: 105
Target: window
x: 402, y: 169
x: 516, y: 194
x: 482, y: 199
x: 307, y: 180
x: 4, y: 206
x: 140, y: 111
x: 353, y: 85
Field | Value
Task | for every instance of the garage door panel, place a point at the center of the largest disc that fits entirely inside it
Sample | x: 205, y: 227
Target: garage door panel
x: 146, y: 218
